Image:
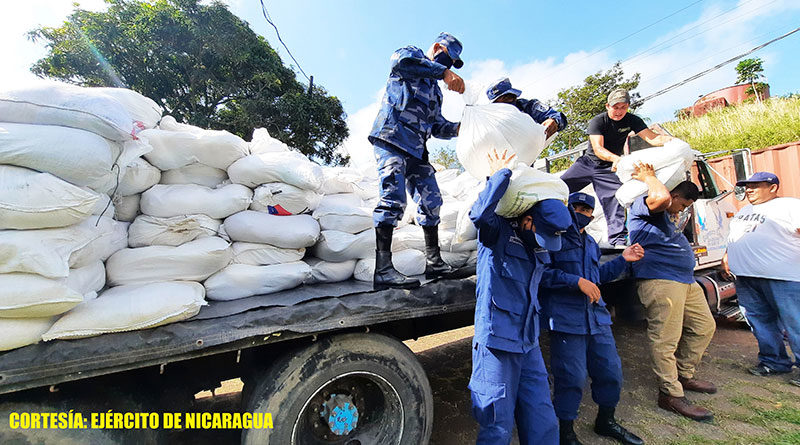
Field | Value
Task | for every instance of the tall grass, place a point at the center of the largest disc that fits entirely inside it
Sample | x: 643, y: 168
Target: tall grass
x: 755, y: 125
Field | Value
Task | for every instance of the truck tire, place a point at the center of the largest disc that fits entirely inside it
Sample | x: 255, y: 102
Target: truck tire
x: 346, y: 389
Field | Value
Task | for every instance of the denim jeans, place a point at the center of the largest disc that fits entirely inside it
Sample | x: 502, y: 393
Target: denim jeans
x: 768, y: 304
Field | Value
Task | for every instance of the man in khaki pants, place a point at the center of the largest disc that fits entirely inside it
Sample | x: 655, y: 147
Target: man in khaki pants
x: 679, y: 322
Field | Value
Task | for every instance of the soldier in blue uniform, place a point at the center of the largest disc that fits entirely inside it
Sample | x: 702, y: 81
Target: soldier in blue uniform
x: 509, y: 378
x: 580, y: 326
x: 552, y: 120
x: 410, y: 114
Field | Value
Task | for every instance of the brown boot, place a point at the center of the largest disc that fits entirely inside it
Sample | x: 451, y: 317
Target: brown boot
x: 697, y: 385
x: 684, y: 407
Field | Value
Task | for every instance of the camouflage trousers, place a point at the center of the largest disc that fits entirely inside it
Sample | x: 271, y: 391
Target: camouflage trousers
x: 397, y: 172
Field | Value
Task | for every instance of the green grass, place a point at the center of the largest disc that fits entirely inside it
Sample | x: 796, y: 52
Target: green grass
x: 772, y: 122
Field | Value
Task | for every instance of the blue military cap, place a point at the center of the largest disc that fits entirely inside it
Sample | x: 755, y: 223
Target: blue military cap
x: 583, y: 198
x: 767, y: 177
x: 453, y: 48
x: 551, y: 218
x: 501, y: 88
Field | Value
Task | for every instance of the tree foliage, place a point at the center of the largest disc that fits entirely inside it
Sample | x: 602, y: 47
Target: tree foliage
x: 749, y: 70
x: 203, y: 64
x: 446, y: 157
x: 583, y: 102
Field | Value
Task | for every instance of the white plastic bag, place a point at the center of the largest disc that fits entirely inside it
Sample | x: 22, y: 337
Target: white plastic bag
x: 19, y: 332
x: 328, y: 272
x: 278, y: 198
x: 500, y: 127
x: 110, y: 236
x: 264, y: 143
x: 335, y: 246
x: 33, y: 200
x: 244, y: 280
x: 130, y: 308
x: 292, y: 168
x: 199, y: 174
x: 671, y: 162
x: 408, y: 262
x: 527, y: 187
x: 154, y: 231
x: 87, y: 280
x: 193, y: 261
x: 141, y: 108
x: 139, y: 176
x: 166, y: 201
x: 176, y: 145
x: 340, y: 180
x: 292, y: 232
x: 258, y: 254
x: 333, y: 215
x: 25, y: 295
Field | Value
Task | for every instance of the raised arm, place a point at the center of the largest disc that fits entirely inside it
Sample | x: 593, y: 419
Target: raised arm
x: 482, y: 213
x: 658, y: 197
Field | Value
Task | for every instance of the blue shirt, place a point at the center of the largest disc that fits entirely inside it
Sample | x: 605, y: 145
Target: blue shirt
x: 564, y: 307
x: 507, y: 304
x: 667, y: 253
x: 411, y: 110
x: 540, y: 112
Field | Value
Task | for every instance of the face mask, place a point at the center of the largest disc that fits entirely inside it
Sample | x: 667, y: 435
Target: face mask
x: 582, y: 220
x: 443, y: 59
x: 529, y: 238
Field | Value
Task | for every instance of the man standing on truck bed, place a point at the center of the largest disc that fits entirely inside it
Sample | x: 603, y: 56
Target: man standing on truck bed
x: 552, y: 120
x: 580, y: 326
x: 410, y: 114
x: 509, y: 378
x: 608, y: 132
x: 764, y: 255
x: 679, y: 322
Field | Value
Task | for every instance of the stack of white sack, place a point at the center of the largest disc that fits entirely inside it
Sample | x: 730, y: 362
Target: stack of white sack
x: 671, y: 163
x: 63, y: 150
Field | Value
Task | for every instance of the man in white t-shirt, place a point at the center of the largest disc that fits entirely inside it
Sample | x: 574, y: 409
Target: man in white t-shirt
x: 764, y: 254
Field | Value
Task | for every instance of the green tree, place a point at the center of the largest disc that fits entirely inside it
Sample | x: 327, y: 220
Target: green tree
x: 749, y: 71
x: 446, y: 157
x: 583, y: 102
x: 203, y: 64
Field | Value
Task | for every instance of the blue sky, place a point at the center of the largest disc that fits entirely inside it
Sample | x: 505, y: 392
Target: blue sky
x: 542, y: 46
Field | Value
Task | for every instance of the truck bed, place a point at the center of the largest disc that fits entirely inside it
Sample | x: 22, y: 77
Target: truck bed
x: 233, y: 325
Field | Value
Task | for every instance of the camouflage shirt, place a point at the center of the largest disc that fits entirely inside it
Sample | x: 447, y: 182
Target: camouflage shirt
x: 411, y: 111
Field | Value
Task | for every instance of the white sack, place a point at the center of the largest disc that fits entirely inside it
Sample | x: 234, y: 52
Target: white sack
x: 408, y: 262
x: 48, y: 252
x: 110, y: 236
x: 670, y: 162
x: 292, y: 168
x: 340, y: 200
x: 332, y: 215
x: 176, y: 145
x: 25, y: 295
x: 33, y: 200
x: 166, y: 201
x: 244, y: 280
x: 456, y: 259
x: 104, y: 206
x: 278, y: 198
x: 340, y: 180
x: 50, y: 103
x: 130, y: 308
x: 76, y: 156
x: 139, y: 176
x: 141, y: 108
x: 328, y: 272
x: 154, y: 231
x: 193, y: 261
x: 335, y: 246
x: 88, y: 279
x: 473, y: 258
x: 448, y: 214
x: 199, y: 174
x: 670, y: 176
x: 527, y: 187
x: 258, y: 254
x: 264, y: 143
x: 465, y: 230
x: 126, y: 207
x: 500, y: 127
x: 292, y: 232
x: 19, y: 332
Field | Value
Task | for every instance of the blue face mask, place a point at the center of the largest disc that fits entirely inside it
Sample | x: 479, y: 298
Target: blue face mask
x: 443, y: 59
x: 582, y: 220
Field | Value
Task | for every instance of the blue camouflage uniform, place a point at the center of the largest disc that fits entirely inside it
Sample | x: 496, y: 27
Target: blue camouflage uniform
x: 509, y: 378
x: 410, y: 114
x: 580, y: 331
x: 532, y: 107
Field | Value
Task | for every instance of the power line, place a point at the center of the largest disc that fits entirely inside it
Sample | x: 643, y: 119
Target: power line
x: 550, y: 74
x: 269, y: 20
x: 714, y: 68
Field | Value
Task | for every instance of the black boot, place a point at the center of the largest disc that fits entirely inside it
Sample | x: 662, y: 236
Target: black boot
x: 386, y: 275
x: 606, y: 425
x: 566, y: 435
x: 434, y: 264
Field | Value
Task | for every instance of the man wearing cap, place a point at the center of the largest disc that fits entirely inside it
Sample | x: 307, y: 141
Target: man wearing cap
x: 608, y: 132
x: 764, y: 255
x: 411, y: 113
x: 580, y: 326
x: 509, y: 378
x: 679, y: 323
x: 552, y: 120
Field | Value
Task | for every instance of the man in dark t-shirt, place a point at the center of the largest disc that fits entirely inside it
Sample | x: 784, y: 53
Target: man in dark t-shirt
x: 608, y: 132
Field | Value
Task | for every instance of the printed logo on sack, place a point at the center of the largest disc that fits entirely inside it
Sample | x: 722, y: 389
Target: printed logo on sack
x: 278, y: 210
